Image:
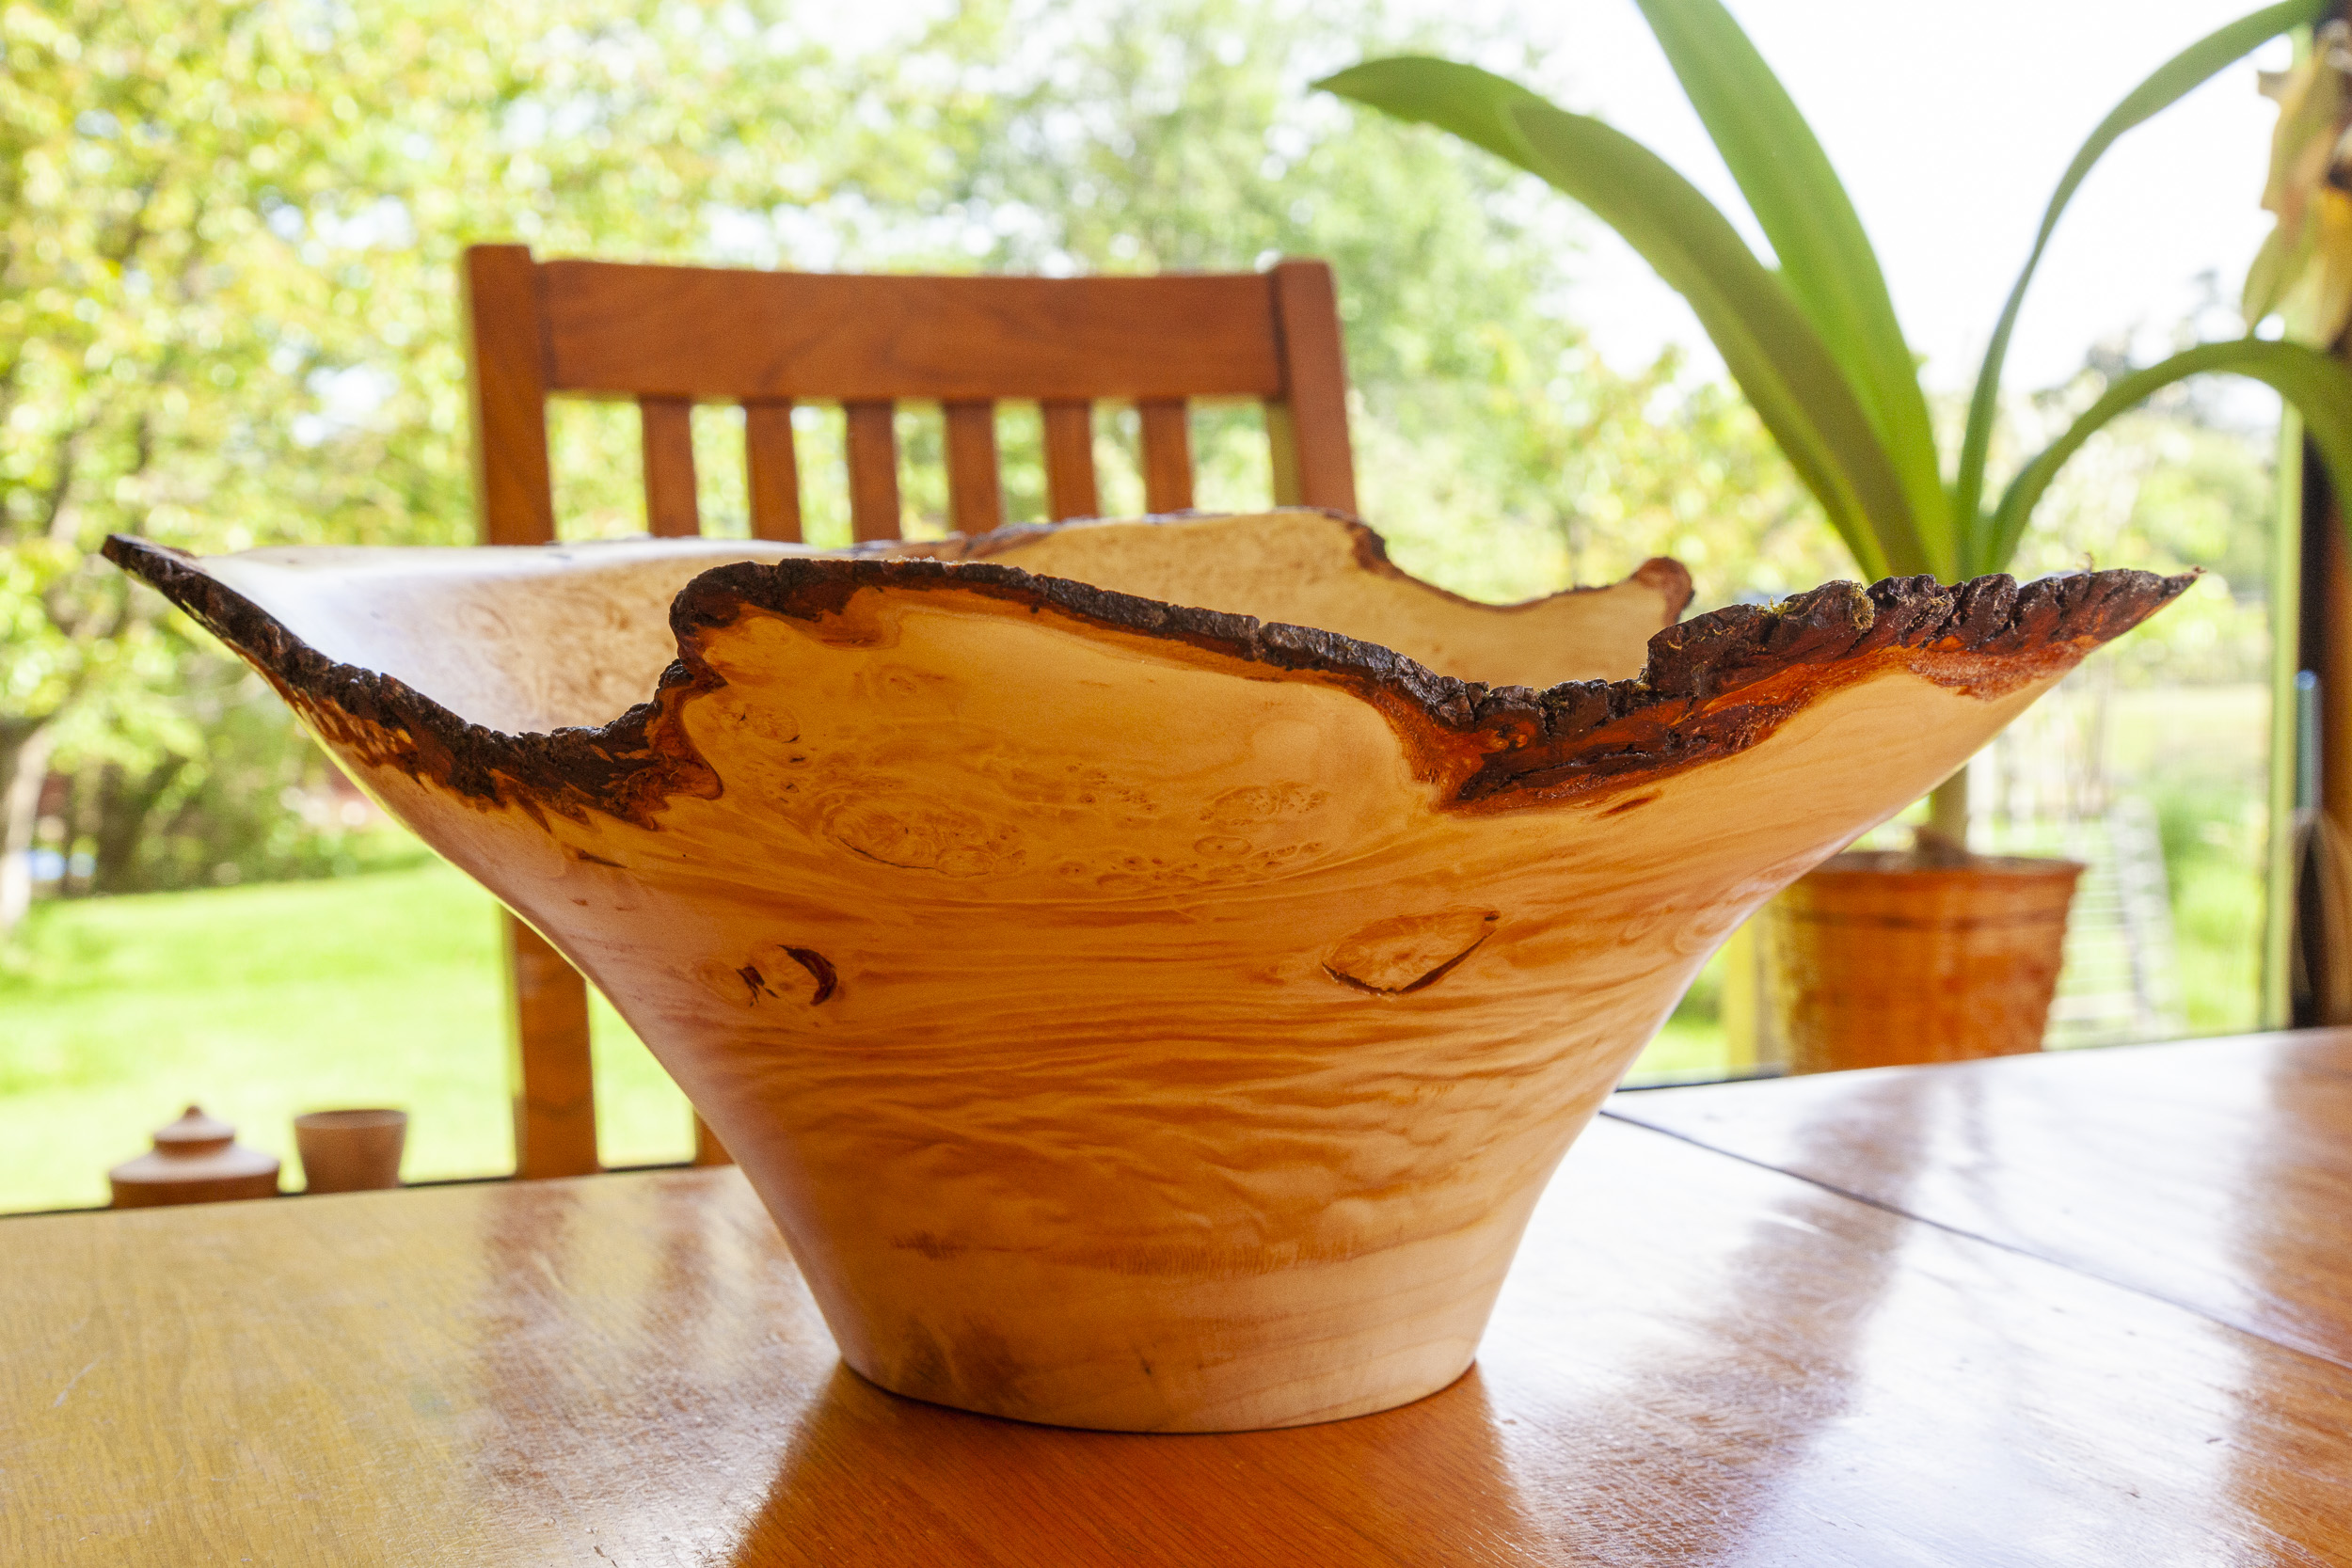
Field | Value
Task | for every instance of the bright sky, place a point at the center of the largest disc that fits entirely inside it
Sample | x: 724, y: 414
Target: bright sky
x: 1949, y: 125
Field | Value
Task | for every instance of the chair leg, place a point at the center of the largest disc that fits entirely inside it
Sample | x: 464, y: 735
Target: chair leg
x: 553, y: 1082
x: 708, y: 1150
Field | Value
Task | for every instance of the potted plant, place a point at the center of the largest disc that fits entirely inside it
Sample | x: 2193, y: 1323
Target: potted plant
x: 1937, y: 953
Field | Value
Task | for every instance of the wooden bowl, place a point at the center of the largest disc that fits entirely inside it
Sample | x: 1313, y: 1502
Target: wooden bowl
x: 1136, y: 1016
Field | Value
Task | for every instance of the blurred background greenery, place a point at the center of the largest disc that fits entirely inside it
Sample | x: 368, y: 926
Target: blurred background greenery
x: 228, y: 319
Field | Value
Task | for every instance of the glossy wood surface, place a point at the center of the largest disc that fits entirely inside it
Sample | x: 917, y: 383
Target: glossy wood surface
x: 1697, y: 1360
x: 2213, y: 1174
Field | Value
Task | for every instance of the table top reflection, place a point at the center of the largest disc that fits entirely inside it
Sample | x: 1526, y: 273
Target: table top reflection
x: 2091, y: 1309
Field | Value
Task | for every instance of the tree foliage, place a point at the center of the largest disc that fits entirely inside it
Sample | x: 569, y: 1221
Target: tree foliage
x: 226, y: 308
x: 228, y: 314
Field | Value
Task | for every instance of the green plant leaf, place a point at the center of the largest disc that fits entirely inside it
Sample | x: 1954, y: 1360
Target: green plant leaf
x: 1825, y: 258
x: 1473, y: 103
x: 2319, y: 386
x: 1981, y: 550
x: 1778, y: 359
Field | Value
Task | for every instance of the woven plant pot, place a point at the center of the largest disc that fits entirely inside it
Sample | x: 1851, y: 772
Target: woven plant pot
x: 1881, y: 959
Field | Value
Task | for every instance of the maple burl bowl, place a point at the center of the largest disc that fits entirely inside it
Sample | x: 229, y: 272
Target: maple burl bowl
x: 1138, y: 1010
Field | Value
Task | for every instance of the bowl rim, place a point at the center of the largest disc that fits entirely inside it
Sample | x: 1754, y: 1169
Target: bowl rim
x: 1710, y: 685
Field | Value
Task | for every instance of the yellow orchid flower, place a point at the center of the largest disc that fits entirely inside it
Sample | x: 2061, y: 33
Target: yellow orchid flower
x: 2303, y: 272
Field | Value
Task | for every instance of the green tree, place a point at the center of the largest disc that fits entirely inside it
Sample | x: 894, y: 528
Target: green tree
x: 226, y: 311
x: 1496, y: 449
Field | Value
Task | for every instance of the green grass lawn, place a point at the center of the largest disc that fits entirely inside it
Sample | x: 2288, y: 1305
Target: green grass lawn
x: 262, y: 1002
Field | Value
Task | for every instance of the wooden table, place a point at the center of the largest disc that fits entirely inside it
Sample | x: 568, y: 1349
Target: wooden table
x: 2089, y: 1308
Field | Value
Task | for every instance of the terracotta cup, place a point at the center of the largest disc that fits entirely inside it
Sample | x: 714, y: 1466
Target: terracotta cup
x: 350, y: 1151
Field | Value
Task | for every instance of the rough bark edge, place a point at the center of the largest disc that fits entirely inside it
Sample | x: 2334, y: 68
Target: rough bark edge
x: 1663, y: 574
x: 628, y: 767
x: 1712, y: 686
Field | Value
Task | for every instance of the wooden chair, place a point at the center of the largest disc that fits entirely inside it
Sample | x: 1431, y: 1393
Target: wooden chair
x: 670, y: 336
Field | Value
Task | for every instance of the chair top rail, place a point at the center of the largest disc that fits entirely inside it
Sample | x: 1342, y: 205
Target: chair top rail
x: 620, y: 330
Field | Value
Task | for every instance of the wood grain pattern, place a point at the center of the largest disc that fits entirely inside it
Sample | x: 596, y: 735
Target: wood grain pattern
x: 1167, y: 455
x: 2215, y: 1174
x: 773, y: 471
x: 1069, y: 461
x: 668, y: 426
x: 976, y: 495
x: 873, y: 460
x: 1136, y: 1016
x: 719, y: 333
x: 1696, y: 1361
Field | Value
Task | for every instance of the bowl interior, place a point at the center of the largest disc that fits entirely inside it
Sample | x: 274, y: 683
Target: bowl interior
x: 532, y: 640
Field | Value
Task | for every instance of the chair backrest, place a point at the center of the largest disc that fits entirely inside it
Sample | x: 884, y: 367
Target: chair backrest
x: 669, y: 338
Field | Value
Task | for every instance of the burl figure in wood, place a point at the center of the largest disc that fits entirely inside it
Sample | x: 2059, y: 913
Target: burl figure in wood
x: 1136, y: 1016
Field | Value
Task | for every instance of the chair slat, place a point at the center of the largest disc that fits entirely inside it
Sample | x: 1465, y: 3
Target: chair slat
x: 514, y: 494
x: 721, y: 334
x: 669, y: 427
x: 873, y: 450
x: 975, y: 495
x: 555, y: 1098
x: 1167, y: 455
x: 1069, y: 460
x: 773, y: 471
x: 1281, y: 435
x: 667, y: 336
x: 708, y: 1150
x: 1312, y: 415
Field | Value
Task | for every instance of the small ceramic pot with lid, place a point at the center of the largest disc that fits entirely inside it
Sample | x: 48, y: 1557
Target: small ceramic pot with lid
x: 196, y: 1159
